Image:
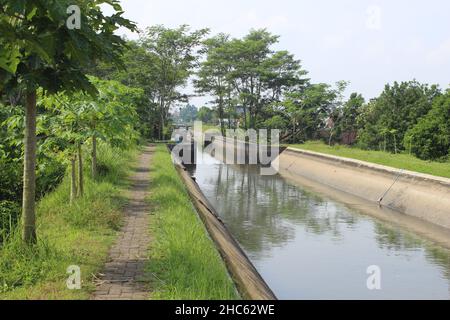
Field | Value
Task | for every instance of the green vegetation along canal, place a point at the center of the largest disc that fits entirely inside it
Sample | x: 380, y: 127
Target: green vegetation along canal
x: 308, y: 246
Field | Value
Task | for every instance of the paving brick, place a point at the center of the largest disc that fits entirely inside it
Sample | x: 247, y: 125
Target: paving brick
x: 122, y: 274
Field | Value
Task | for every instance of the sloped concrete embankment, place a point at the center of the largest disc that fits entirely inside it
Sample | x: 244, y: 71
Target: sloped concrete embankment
x: 248, y: 281
x: 419, y: 195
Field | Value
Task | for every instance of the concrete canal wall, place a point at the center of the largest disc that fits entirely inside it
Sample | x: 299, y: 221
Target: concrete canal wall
x: 249, y: 282
x: 419, y: 195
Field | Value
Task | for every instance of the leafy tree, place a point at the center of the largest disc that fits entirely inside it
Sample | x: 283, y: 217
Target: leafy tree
x: 66, y: 129
x: 111, y: 116
x: 260, y: 76
x: 396, y: 110
x: 140, y: 72
x: 205, y: 114
x: 276, y: 122
x: 188, y: 113
x: 347, y: 121
x: 430, y: 137
x: 307, y: 110
x: 174, y: 54
x: 76, y: 119
x: 214, y: 72
x: 38, y: 50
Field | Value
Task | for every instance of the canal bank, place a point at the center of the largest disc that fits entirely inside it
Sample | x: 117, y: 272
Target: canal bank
x: 422, y: 196
x: 248, y: 281
x: 414, y: 194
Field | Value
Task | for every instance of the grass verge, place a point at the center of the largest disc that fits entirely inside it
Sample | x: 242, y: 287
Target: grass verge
x: 184, y: 260
x: 400, y: 161
x: 78, y: 234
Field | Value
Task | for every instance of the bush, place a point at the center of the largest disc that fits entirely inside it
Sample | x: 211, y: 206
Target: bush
x: 10, y: 180
x: 49, y: 175
x: 9, y: 217
x: 385, y: 120
x: 430, y: 138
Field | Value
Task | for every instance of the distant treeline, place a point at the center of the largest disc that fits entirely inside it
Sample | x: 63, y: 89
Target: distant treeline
x: 254, y: 86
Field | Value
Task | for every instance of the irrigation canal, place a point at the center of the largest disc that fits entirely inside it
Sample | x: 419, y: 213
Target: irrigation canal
x: 308, y: 246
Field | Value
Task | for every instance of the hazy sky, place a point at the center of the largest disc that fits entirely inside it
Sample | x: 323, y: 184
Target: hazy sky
x: 368, y: 43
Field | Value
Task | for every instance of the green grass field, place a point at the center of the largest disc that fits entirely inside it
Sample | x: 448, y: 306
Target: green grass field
x: 401, y: 161
x: 68, y: 235
x: 184, y: 261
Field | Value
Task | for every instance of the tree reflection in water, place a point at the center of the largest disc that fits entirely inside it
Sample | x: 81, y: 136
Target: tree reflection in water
x: 267, y: 212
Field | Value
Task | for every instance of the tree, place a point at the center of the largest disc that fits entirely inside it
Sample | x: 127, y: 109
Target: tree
x: 259, y: 75
x: 78, y: 118
x: 205, y: 114
x: 430, y: 137
x: 174, y: 54
x: 398, y: 108
x: 188, y: 113
x: 213, y: 73
x: 38, y: 50
x: 111, y: 116
x: 140, y: 72
x: 308, y: 110
x: 347, y: 122
x: 247, y: 73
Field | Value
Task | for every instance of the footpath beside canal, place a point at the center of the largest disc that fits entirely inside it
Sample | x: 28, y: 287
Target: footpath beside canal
x: 123, y: 275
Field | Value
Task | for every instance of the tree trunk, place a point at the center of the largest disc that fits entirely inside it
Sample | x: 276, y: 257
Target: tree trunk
x: 395, y: 144
x: 94, y: 157
x: 80, y: 172
x: 294, y: 121
x: 161, y: 132
x: 245, y: 117
x: 29, y: 172
x: 221, y: 116
x: 161, y: 125
x: 73, y: 179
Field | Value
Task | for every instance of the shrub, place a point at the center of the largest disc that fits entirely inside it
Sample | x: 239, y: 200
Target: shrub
x: 9, y: 217
x: 430, y: 138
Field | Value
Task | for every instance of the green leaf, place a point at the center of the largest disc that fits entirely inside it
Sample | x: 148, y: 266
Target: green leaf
x: 10, y: 59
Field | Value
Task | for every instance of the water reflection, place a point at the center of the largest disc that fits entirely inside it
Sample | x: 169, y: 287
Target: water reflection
x: 308, y: 246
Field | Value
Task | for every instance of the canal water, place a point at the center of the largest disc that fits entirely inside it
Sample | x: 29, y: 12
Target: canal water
x: 308, y: 246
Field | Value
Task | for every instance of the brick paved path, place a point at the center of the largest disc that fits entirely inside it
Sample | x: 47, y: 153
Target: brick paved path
x: 123, y: 275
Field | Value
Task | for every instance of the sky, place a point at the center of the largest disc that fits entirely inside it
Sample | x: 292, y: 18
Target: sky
x: 368, y: 43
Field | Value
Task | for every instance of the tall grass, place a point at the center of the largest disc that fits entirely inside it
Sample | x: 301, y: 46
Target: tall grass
x: 400, y: 161
x: 184, y: 260
x: 78, y: 234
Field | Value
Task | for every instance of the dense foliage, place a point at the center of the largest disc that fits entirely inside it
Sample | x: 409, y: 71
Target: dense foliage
x: 399, y: 107
x: 430, y: 137
x: 160, y: 62
x: 39, y: 51
x: 64, y: 123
